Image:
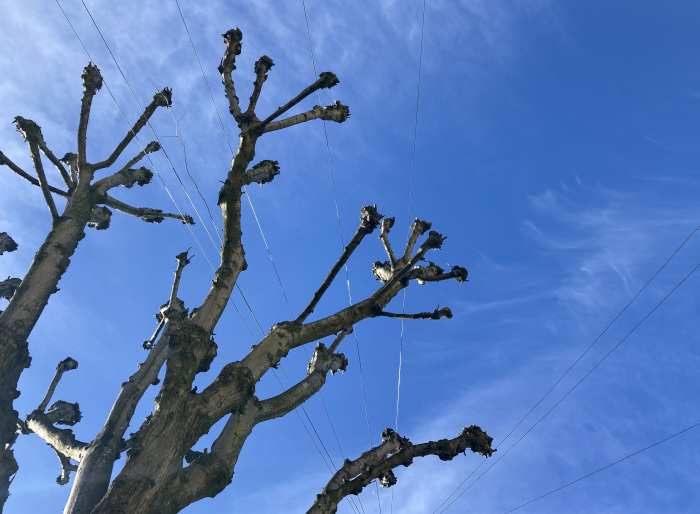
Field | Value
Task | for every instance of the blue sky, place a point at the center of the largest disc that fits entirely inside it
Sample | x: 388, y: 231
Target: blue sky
x: 557, y: 148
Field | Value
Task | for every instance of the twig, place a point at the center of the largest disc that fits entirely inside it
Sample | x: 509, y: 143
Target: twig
x: 445, y: 312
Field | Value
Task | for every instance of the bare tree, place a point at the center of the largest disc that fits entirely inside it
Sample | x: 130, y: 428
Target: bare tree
x: 183, y: 343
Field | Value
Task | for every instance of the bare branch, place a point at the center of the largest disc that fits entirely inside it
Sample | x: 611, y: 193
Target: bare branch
x: 127, y: 176
x: 262, y: 66
x: 339, y: 338
x: 92, y: 83
x: 336, y: 112
x: 387, y: 223
x: 31, y: 132
x: 66, y: 467
x: 8, y: 287
x: 369, y: 221
x: 445, y: 312
x: 4, y: 160
x: 57, y: 163
x: 232, y: 39
x: 163, y: 98
x: 262, y: 173
x: 325, y: 80
x: 7, y: 244
x: 322, y: 361
x: 183, y: 259
x: 394, y: 451
x: 71, y: 160
x: 145, y: 213
x: 417, y: 229
x: 66, y: 364
x: 434, y: 273
x: 61, y: 439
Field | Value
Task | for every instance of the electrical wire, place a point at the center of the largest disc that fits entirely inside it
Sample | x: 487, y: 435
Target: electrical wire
x: 604, y: 468
x: 566, y: 395
x: 342, y: 242
x: 624, y: 309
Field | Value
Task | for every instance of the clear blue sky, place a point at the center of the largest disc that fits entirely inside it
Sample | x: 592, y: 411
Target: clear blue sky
x: 557, y: 148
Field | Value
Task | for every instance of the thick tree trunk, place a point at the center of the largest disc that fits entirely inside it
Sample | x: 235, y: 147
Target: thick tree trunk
x: 20, y: 317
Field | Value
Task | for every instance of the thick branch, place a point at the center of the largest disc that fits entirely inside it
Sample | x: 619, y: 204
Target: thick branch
x: 61, y: 440
x: 322, y: 361
x: 262, y: 173
x: 7, y: 244
x: 32, y: 134
x: 26, y: 176
x: 262, y: 66
x: 145, y: 213
x: 336, y: 112
x: 394, y: 451
x: 163, y: 98
x: 127, y: 176
x: 232, y: 39
x: 325, y: 80
x: 92, y: 83
x: 445, y: 312
x: 369, y: 221
x: 93, y: 477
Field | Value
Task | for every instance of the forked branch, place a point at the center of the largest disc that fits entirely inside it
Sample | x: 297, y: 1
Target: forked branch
x: 394, y: 451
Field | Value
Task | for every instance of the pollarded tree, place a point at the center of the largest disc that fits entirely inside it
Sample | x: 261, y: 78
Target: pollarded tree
x: 162, y: 448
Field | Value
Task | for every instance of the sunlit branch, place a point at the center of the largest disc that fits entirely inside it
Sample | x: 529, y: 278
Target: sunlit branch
x: 145, y: 213
x: 336, y: 112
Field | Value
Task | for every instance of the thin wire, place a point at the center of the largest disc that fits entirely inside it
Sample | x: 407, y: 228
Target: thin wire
x: 410, y: 204
x: 605, y: 467
x: 663, y: 266
x: 342, y: 242
x: 575, y: 386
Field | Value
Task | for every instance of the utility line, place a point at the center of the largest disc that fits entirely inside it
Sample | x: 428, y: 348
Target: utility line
x: 566, y: 395
x: 604, y: 467
x: 663, y: 266
x: 410, y: 204
x: 342, y: 242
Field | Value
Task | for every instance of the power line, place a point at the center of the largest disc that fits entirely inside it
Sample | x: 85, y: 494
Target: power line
x: 566, y: 395
x: 604, y: 468
x: 342, y: 242
x: 410, y: 204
